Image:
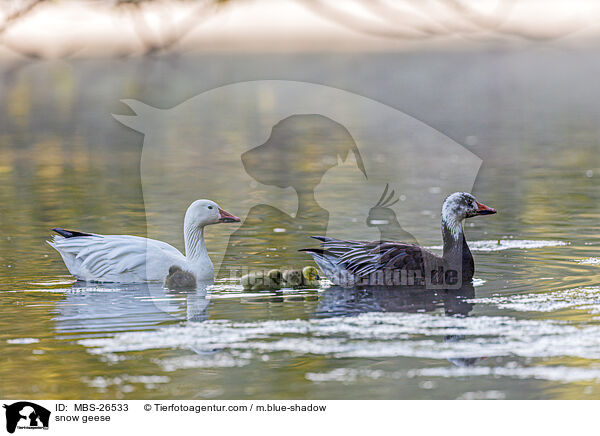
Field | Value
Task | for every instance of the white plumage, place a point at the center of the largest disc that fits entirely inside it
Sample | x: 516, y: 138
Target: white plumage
x: 133, y: 259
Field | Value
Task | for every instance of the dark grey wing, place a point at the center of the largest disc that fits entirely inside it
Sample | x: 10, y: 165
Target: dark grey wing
x: 363, y: 258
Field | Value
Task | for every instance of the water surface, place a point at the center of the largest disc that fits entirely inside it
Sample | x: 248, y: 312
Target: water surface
x: 527, y: 329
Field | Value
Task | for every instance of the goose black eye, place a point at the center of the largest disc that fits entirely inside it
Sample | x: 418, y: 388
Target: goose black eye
x: 210, y: 207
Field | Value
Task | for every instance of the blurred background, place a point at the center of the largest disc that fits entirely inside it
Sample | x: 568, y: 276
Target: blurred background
x: 515, y: 82
x: 66, y: 28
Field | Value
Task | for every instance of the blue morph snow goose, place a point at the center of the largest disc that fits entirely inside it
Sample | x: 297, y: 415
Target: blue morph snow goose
x: 351, y: 263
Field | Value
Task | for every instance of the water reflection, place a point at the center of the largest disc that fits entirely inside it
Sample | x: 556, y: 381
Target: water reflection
x: 339, y: 301
x: 102, y: 308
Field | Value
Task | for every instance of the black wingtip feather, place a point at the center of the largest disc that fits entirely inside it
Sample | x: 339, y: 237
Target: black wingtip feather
x: 70, y: 233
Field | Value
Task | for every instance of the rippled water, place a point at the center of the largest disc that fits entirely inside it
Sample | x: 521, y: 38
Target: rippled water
x: 528, y: 328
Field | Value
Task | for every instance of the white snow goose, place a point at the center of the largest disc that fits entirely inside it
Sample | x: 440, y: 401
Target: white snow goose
x: 352, y: 263
x: 133, y: 259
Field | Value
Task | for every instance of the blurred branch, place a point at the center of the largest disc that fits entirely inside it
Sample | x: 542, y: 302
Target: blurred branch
x: 154, y: 43
x: 424, y: 22
x: 323, y: 8
x: 498, y: 21
x: 160, y: 25
x: 421, y: 22
x: 484, y: 21
x: 153, y: 40
x: 424, y: 16
x: 187, y: 24
x: 27, y: 52
x: 440, y: 22
x: 14, y: 16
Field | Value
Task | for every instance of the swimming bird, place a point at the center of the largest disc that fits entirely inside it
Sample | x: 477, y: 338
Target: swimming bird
x: 350, y: 263
x: 133, y: 259
x: 292, y: 278
x: 180, y: 280
x: 308, y: 277
x: 258, y: 281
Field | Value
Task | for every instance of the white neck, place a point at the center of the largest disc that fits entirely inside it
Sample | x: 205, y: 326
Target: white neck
x: 453, y: 226
x: 195, y: 250
x: 452, y: 234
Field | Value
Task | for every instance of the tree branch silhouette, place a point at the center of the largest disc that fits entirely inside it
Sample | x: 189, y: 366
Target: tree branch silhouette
x: 152, y: 40
x: 15, y: 16
x: 408, y: 20
x: 463, y: 20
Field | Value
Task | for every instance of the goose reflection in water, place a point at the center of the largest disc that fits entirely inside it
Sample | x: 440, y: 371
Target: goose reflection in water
x: 338, y: 301
x: 89, y: 309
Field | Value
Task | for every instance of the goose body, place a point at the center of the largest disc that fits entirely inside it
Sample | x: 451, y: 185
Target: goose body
x: 180, y: 280
x: 350, y: 263
x: 307, y: 277
x: 258, y: 281
x: 292, y: 278
x: 133, y: 259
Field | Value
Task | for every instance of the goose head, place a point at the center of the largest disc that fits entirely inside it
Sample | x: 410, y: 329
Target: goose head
x: 205, y: 212
x: 310, y: 273
x: 462, y: 205
x: 174, y: 269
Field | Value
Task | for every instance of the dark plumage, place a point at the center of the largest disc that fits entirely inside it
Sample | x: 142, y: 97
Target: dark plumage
x: 70, y: 233
x: 180, y: 280
x: 350, y: 263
